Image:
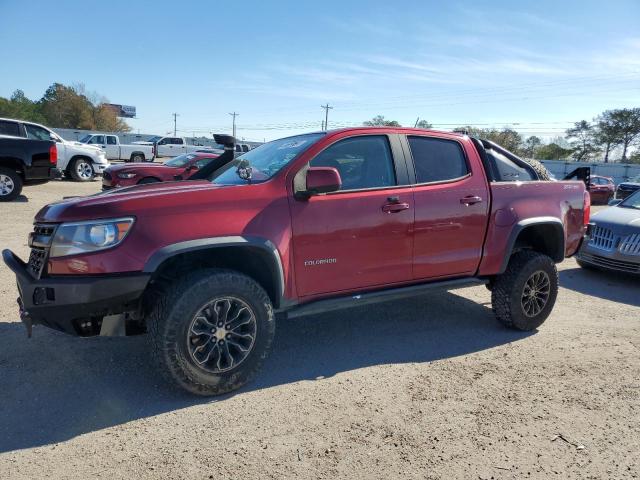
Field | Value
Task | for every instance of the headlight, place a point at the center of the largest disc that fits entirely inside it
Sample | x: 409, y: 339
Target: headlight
x: 126, y: 175
x: 87, y: 237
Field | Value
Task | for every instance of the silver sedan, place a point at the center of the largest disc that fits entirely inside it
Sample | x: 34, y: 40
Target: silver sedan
x: 613, y: 238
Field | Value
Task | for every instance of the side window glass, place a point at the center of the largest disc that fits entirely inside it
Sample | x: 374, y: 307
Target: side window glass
x: 245, y: 148
x: 37, y: 133
x: 437, y: 160
x: 111, y: 140
x: 363, y: 162
x: 164, y: 141
x: 202, y: 162
x: 508, y: 170
x: 238, y: 149
x: 9, y: 128
x: 97, y: 140
x: 177, y: 141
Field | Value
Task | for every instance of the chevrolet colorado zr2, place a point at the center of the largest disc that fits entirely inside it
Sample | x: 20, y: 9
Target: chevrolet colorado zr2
x: 300, y: 225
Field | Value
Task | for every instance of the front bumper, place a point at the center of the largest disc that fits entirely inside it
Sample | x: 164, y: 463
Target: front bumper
x: 98, y: 168
x: 610, y: 260
x: 74, y: 305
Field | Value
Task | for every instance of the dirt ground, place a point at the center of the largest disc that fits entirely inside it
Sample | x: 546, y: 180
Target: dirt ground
x: 427, y: 388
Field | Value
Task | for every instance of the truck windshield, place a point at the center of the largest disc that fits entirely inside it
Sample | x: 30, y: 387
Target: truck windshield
x: 265, y: 161
x: 632, y: 201
x: 153, y: 139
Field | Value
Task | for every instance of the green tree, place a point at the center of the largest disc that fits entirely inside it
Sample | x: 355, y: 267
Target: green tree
x: 634, y: 157
x: 20, y: 107
x: 607, y: 134
x: 553, y: 151
x: 380, y: 121
x: 531, y: 146
x: 583, y: 142
x: 423, y: 124
x: 626, y: 122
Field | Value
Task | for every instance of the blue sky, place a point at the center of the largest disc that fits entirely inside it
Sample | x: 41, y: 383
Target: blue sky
x: 535, y: 65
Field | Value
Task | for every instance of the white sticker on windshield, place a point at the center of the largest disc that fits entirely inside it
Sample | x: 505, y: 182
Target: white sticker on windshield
x: 296, y: 144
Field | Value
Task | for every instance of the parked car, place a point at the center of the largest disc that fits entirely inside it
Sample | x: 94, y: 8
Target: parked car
x: 297, y: 226
x: 627, y: 188
x: 612, y: 241
x: 180, y: 167
x: 601, y: 189
x: 173, y: 146
x: 77, y: 161
x: 117, y: 151
x: 25, y: 162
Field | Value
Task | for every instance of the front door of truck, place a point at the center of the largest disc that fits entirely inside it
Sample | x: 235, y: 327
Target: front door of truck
x: 113, y: 149
x: 360, y: 236
x: 451, y: 204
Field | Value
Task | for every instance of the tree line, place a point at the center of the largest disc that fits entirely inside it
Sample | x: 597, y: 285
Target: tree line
x: 610, y: 137
x: 64, y: 106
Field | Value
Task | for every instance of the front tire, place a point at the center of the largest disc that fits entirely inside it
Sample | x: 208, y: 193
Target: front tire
x: 524, y: 295
x: 10, y: 184
x: 82, y: 170
x: 211, y: 331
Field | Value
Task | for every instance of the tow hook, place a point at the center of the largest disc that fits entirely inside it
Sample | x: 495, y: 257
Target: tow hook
x: 26, y: 319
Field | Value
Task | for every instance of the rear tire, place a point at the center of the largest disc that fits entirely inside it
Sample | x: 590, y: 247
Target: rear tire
x: 211, y: 330
x: 137, y: 157
x: 524, y: 295
x: 82, y: 170
x: 10, y: 184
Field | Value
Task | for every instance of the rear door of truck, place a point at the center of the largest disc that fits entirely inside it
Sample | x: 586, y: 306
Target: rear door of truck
x: 451, y: 196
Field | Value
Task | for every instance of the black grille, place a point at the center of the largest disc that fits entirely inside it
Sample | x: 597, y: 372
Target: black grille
x: 44, y: 230
x: 40, y: 240
x: 37, y: 261
x: 106, y: 175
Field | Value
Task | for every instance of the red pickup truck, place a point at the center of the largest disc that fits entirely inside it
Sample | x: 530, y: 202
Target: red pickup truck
x: 299, y: 225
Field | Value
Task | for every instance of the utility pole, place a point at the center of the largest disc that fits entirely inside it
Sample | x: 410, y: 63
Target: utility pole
x: 175, y: 116
x: 326, y: 115
x: 234, y: 115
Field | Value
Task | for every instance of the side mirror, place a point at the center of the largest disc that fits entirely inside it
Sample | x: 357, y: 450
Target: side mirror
x: 614, y: 202
x: 322, y: 180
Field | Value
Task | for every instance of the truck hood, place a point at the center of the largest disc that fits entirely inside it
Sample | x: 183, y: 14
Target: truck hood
x: 154, y: 198
x: 84, y: 145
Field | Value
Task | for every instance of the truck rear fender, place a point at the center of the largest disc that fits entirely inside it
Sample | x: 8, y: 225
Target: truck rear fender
x: 15, y: 164
x: 542, y: 234
x: 256, y: 257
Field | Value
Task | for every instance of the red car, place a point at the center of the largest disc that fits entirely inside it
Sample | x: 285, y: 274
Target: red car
x: 301, y: 225
x: 138, y: 173
x: 601, y: 189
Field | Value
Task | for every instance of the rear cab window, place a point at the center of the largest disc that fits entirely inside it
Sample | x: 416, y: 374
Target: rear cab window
x: 10, y: 128
x: 437, y: 159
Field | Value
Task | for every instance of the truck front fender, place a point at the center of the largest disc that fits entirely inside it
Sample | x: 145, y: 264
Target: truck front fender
x: 265, y: 248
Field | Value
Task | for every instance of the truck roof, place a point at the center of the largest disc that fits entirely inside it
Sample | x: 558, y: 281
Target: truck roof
x: 395, y: 129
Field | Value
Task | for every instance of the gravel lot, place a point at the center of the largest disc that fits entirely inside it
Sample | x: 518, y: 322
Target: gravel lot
x: 428, y: 388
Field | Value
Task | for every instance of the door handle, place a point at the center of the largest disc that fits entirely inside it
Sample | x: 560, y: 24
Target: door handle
x: 395, y: 207
x: 470, y: 200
